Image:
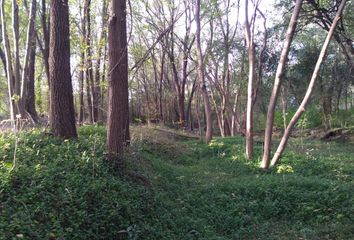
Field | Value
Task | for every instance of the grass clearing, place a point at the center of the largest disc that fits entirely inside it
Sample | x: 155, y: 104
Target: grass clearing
x: 64, y: 190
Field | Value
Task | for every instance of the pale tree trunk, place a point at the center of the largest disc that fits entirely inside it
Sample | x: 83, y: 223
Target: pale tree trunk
x: 91, y: 101
x: 209, y: 124
x: 250, y: 90
x: 16, y: 36
x: 118, y: 104
x: 277, y: 84
x: 82, y: 67
x: 310, y: 88
x: 101, y: 45
x: 10, y: 73
x: 81, y: 88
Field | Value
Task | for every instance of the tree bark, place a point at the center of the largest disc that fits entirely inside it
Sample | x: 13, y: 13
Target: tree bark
x: 30, y: 105
x: 101, y: 45
x: 8, y: 57
x: 310, y: 88
x: 118, y: 104
x: 62, y: 114
x: 277, y: 84
x: 201, y: 77
x: 250, y: 90
x: 16, y: 36
x: 28, y: 55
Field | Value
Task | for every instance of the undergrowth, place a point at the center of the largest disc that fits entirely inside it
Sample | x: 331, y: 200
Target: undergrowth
x: 65, y: 190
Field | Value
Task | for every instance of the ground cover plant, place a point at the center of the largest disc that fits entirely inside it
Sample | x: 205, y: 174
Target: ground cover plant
x: 65, y: 190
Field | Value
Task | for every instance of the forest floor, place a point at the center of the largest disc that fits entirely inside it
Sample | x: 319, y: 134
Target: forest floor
x: 180, y: 189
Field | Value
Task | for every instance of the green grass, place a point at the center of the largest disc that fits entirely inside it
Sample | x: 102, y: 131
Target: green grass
x: 197, y: 191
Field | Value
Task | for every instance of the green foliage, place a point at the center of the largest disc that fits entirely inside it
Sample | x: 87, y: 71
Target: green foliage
x: 312, y: 118
x: 343, y: 118
x: 64, y: 189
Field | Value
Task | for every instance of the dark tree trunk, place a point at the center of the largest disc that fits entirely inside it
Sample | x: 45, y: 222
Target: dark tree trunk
x: 62, y: 114
x: 118, y: 106
x: 30, y: 105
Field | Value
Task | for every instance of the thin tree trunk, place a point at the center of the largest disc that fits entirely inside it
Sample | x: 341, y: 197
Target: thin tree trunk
x: 277, y: 84
x: 101, y: 46
x: 81, y: 89
x: 10, y: 73
x: 88, y: 68
x: 16, y: 36
x: 310, y: 88
x: 82, y: 67
x: 201, y: 77
x: 250, y: 90
x: 46, y: 38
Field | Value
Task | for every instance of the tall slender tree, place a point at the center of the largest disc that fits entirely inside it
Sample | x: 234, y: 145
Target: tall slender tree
x: 315, y: 74
x: 118, y: 104
x: 201, y: 77
x: 62, y: 113
x: 251, y: 77
x: 277, y: 84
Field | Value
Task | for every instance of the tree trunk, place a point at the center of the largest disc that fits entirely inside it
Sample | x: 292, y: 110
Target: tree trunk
x: 101, y: 45
x: 81, y: 89
x: 16, y: 36
x: 118, y: 105
x: 207, y: 108
x: 250, y: 90
x: 310, y: 88
x: 30, y: 47
x: 277, y: 84
x: 46, y: 38
x: 10, y: 73
x: 62, y: 114
x: 30, y: 105
x: 91, y: 88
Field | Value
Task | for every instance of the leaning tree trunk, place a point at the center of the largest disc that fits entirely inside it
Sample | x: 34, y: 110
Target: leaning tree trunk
x: 62, y: 113
x: 201, y: 77
x: 277, y: 84
x: 310, y: 88
x: 118, y: 105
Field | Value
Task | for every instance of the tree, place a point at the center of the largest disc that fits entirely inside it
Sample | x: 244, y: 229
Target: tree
x: 202, y: 85
x: 302, y: 107
x: 62, y: 113
x: 118, y: 104
x: 277, y: 84
x: 251, y: 77
x: 9, y: 69
x: 27, y: 84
